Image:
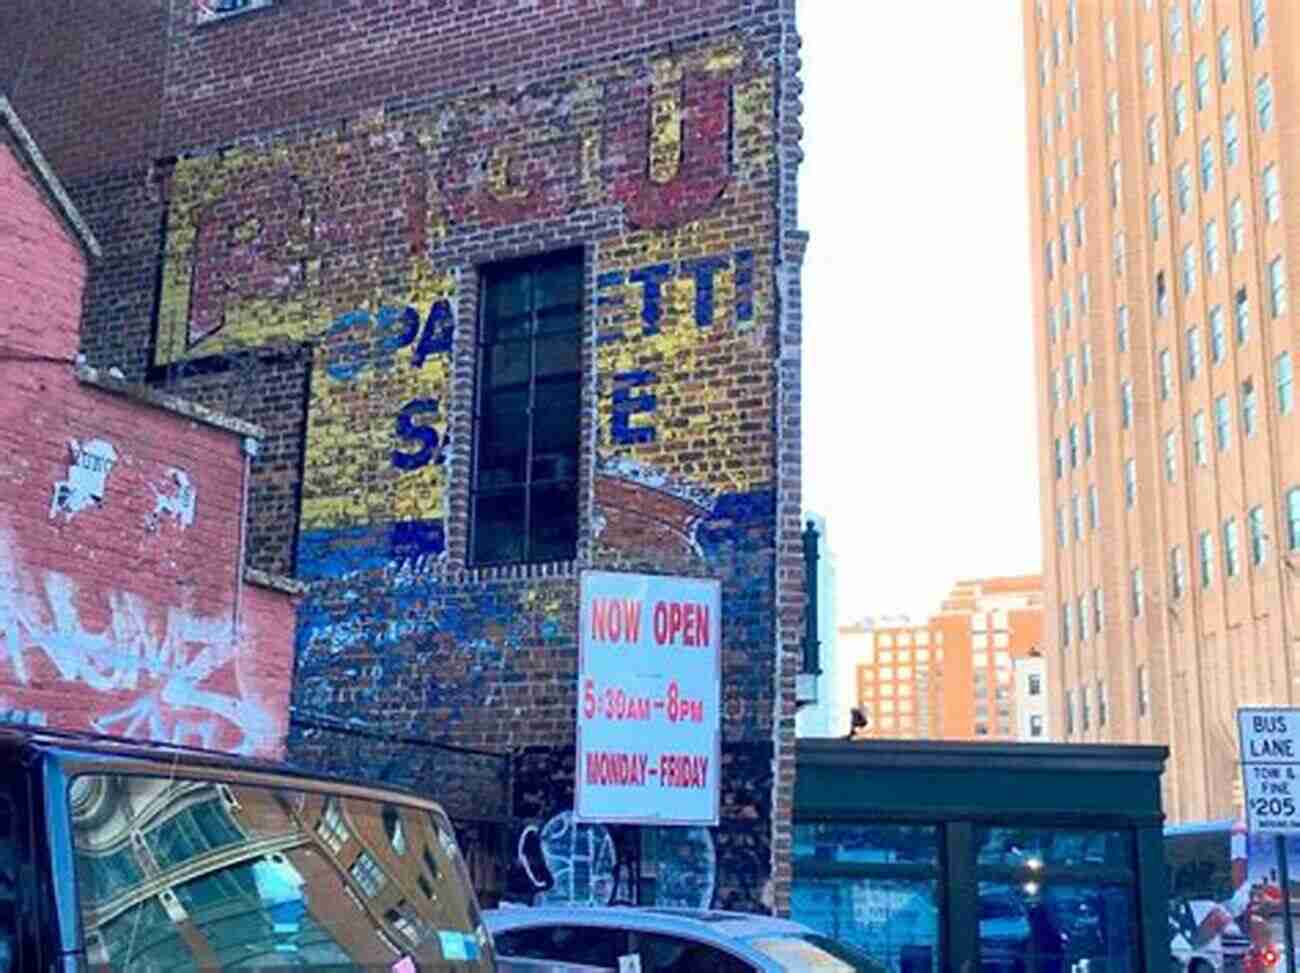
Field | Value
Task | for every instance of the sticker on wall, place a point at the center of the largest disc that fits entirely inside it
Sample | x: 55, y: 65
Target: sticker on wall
x: 176, y: 500
x: 87, y: 478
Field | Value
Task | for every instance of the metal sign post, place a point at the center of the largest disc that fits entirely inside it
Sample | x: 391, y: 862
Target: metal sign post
x: 1270, y: 768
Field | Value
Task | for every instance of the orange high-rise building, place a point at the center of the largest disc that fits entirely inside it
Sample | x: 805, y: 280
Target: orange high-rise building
x: 973, y: 670
x: 1163, y: 192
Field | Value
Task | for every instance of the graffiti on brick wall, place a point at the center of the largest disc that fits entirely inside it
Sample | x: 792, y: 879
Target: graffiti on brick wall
x: 139, y: 669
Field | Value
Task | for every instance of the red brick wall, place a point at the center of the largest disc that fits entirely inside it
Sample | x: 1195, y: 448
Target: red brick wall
x: 118, y: 594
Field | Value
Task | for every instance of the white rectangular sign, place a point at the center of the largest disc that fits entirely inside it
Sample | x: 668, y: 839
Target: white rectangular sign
x: 1270, y: 766
x: 649, y: 694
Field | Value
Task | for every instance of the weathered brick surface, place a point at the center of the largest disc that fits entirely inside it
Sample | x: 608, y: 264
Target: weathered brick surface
x: 121, y: 598
x: 296, y: 238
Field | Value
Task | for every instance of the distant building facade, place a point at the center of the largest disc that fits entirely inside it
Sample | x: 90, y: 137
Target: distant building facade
x: 1162, y: 170
x: 959, y: 675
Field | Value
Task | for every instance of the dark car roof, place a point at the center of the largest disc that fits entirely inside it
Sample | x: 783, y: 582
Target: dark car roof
x: 93, y: 746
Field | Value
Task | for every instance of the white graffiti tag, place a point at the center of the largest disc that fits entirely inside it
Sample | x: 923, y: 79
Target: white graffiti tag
x: 155, y: 666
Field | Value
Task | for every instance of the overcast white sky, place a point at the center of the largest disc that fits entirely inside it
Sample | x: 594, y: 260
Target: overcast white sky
x: 919, y: 429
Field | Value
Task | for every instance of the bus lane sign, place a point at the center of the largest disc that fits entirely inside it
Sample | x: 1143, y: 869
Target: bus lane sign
x: 1270, y: 766
x: 649, y: 698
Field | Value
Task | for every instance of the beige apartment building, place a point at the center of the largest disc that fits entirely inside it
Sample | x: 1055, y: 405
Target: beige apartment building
x: 973, y: 670
x: 1163, y: 162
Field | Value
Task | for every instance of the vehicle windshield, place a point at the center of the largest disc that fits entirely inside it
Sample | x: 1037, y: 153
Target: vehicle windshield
x: 809, y: 951
x: 194, y: 875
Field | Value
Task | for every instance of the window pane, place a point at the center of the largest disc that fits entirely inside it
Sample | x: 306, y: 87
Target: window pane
x: 506, y: 296
x: 507, y: 364
x: 1039, y: 927
x: 557, y: 355
x: 1052, y: 846
x: 554, y: 514
x: 503, y: 438
x: 894, y: 922
x: 555, y: 426
x: 878, y: 844
x: 498, y: 521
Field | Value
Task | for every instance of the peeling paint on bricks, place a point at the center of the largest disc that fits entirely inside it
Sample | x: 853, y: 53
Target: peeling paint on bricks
x: 319, y: 264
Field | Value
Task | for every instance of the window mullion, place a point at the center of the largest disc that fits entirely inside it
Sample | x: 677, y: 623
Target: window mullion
x: 532, y: 405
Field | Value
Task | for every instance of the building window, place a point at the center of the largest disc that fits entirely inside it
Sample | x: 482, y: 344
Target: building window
x: 1207, y: 164
x: 1166, y: 371
x: 1069, y: 713
x: 1276, y: 287
x: 1066, y: 625
x: 1120, y: 256
x: 525, y: 498
x: 1153, y: 140
x: 1056, y: 388
x: 1088, y: 435
x: 1078, y: 159
x: 1086, y: 355
x: 1148, y: 64
x: 1060, y: 527
x: 1035, y: 726
x: 331, y: 827
x: 1066, y: 311
x: 1157, y: 215
x: 1231, y: 141
x: 1069, y: 377
x: 1177, y: 573
x: 1264, y: 102
x: 1162, y: 295
x: 1063, y: 239
x: 1085, y: 294
x: 1051, y: 322
x: 1074, y: 447
x: 1272, y: 194
x: 1231, y: 549
x: 1076, y: 517
x: 1241, y: 312
x: 1183, y: 181
x: 1293, y: 519
x: 1249, y: 408
x: 1189, y: 269
x: 1059, y: 456
x: 1115, y: 182
x: 1206, y: 551
x: 1236, y: 226
x: 1121, y: 327
x: 1170, y: 457
x: 1086, y: 716
x: 1098, y: 611
x: 1049, y: 259
x: 1202, y: 82
x: 1108, y: 33
x: 1225, y: 55
x: 1222, y: 423
x: 1047, y: 129
x: 1072, y: 20
x: 1080, y: 231
x: 1136, y: 592
x: 1193, y: 352
x: 1200, y: 455
x: 1042, y: 68
x: 1211, y: 248
x: 1258, y: 537
x: 1130, y: 483
x: 1103, y: 704
x: 1074, y: 92
x: 213, y: 10
x: 1112, y: 113
x: 1056, y: 47
x: 365, y: 871
x: 1258, y: 21
x: 1094, y: 507
x: 1144, y: 691
x: 1282, y: 377
x: 1083, y: 617
x: 1218, y: 336
x: 1060, y: 123
x: 1126, y: 403
x: 1180, y: 109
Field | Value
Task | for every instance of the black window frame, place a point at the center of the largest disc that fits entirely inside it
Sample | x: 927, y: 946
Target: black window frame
x: 483, y: 345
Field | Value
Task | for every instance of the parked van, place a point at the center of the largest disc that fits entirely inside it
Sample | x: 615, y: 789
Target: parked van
x: 123, y: 856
